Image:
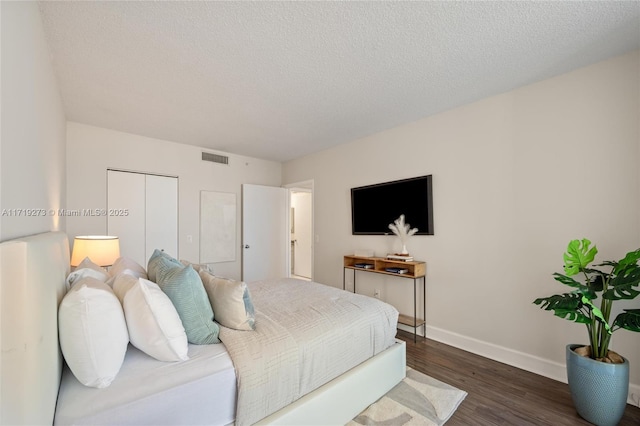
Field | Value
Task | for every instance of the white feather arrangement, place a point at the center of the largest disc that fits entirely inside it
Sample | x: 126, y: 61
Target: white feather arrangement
x: 403, y: 231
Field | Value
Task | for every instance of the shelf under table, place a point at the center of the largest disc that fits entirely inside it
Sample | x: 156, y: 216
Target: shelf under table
x: 408, y: 320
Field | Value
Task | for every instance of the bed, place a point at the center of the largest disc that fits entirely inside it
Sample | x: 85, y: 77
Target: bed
x: 32, y: 279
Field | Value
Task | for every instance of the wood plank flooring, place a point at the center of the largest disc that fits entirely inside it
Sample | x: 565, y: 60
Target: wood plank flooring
x: 498, y: 393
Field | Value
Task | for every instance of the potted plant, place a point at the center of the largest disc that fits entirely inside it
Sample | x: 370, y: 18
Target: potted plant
x: 598, y: 377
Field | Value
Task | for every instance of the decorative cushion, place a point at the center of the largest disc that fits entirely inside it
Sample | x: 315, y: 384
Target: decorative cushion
x: 184, y: 287
x: 122, y: 283
x: 128, y: 265
x: 153, y: 322
x: 198, y: 266
x: 155, y: 262
x: 93, y: 332
x: 88, y: 263
x: 87, y: 268
x: 78, y: 274
x: 231, y: 301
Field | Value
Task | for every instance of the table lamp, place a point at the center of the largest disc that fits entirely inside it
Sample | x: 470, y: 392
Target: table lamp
x: 103, y: 250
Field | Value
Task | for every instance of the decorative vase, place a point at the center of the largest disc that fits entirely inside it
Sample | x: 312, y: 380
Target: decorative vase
x: 404, y: 249
x: 599, y: 390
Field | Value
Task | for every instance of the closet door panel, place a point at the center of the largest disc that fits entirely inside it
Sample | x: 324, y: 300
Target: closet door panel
x: 161, y: 206
x: 126, y: 193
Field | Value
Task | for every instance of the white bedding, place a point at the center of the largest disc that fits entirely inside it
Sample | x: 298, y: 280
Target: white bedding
x: 201, y: 390
x: 316, y: 335
x: 319, y: 333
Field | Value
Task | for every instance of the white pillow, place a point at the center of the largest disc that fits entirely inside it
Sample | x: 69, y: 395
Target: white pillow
x: 93, y: 332
x: 78, y: 274
x: 153, y: 322
x: 127, y: 265
x: 230, y: 300
x: 87, y: 268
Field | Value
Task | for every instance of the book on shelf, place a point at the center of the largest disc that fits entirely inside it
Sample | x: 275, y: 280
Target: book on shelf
x: 364, y: 265
x: 400, y: 257
x: 397, y: 270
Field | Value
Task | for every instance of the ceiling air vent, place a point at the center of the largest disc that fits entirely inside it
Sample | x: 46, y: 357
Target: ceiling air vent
x: 215, y: 158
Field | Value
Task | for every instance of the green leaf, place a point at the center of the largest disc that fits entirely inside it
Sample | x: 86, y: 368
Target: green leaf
x: 579, y: 254
x: 629, y: 320
x: 630, y: 259
x: 565, y: 306
x: 571, y: 315
x: 587, y: 290
x: 621, y: 285
x: 597, y: 280
x: 597, y: 313
x: 567, y: 280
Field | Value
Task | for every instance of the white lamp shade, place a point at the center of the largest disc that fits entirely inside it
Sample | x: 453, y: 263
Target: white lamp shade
x: 103, y: 250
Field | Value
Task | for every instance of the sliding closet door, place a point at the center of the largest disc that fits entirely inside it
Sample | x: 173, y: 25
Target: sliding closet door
x: 126, y: 195
x: 161, y: 214
x: 145, y: 213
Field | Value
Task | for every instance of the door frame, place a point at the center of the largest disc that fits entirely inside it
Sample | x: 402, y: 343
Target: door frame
x: 307, y: 186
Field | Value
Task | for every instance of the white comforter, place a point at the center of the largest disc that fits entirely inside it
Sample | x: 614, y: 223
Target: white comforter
x: 306, y: 335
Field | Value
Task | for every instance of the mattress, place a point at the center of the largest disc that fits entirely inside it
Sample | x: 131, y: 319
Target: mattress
x: 306, y: 335
x: 201, y: 390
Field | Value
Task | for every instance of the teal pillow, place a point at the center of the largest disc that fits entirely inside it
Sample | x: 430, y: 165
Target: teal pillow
x: 155, y: 263
x: 184, y: 288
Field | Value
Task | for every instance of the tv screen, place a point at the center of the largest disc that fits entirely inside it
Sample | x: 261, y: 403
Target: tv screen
x: 374, y: 207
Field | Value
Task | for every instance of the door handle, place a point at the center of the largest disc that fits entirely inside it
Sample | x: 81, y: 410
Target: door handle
x: 246, y: 246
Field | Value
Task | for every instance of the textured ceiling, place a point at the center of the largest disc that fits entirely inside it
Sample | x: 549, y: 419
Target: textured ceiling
x: 280, y: 80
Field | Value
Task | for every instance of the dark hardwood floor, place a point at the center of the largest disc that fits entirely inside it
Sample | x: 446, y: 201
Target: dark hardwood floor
x: 498, y: 394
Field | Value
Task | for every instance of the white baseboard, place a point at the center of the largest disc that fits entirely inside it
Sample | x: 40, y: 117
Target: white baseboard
x: 533, y: 364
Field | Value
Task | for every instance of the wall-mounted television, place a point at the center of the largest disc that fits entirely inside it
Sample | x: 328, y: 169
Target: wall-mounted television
x: 374, y: 207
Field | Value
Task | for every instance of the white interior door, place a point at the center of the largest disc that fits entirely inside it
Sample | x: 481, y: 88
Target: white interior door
x: 161, y: 201
x: 265, y: 232
x: 125, y: 192
x: 149, y: 213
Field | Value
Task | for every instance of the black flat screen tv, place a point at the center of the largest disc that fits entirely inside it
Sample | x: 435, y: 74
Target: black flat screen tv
x: 374, y: 207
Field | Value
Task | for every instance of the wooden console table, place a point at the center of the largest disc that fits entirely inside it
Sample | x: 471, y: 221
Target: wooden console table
x: 415, y: 270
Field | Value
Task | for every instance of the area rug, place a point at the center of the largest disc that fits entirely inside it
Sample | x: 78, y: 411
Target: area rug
x: 417, y: 400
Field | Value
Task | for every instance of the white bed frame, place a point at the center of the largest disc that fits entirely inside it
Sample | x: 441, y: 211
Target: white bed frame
x: 32, y: 283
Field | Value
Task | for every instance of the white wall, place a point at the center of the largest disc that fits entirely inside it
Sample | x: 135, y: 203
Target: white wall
x: 91, y: 150
x: 32, y: 143
x: 515, y: 177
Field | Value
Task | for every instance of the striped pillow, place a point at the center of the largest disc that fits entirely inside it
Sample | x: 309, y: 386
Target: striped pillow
x: 184, y: 288
x: 158, y: 260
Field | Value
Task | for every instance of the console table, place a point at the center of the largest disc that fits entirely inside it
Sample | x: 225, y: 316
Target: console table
x: 378, y: 265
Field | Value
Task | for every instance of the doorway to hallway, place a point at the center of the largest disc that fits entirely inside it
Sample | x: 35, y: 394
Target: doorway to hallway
x: 301, y: 202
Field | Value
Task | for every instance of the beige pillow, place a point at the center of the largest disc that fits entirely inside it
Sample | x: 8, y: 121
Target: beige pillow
x: 230, y: 301
x: 122, y: 283
x: 127, y: 265
x: 198, y: 266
